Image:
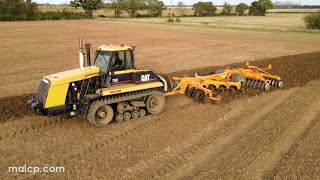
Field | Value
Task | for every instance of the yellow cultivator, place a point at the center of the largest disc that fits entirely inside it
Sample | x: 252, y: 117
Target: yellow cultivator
x: 211, y: 87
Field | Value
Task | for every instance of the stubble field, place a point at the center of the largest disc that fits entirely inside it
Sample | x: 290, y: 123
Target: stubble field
x: 250, y: 136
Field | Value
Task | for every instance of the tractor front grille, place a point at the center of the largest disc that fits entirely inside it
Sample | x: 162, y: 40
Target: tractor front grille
x: 43, y: 91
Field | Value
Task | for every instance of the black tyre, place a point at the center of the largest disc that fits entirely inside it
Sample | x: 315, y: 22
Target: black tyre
x: 155, y: 103
x: 100, y: 114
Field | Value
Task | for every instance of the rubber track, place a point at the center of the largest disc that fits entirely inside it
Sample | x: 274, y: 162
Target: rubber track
x: 125, y: 97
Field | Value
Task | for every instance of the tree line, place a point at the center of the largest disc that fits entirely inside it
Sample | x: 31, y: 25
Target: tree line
x: 257, y: 8
x: 26, y: 10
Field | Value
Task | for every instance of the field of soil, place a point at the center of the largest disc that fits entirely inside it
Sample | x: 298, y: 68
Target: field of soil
x: 31, y: 50
x: 255, y: 135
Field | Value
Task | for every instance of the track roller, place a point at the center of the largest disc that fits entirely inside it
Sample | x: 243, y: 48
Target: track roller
x: 127, y: 116
x: 118, y: 117
x: 134, y: 114
x: 142, y: 112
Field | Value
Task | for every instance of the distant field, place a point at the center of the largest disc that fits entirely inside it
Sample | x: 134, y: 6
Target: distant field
x: 271, y: 22
x: 166, y: 12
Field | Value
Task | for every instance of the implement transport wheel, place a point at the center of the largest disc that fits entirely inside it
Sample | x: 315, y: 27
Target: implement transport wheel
x: 155, y: 103
x: 100, y: 114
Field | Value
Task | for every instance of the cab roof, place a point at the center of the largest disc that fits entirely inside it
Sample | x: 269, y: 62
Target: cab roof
x: 120, y: 47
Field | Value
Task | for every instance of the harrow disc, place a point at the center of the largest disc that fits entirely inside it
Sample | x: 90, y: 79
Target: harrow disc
x: 267, y: 87
x: 248, y: 83
x: 252, y: 84
x: 280, y: 84
x: 259, y: 85
x: 255, y: 85
x: 190, y: 91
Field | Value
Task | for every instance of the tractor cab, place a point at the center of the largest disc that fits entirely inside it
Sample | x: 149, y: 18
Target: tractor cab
x: 114, y: 58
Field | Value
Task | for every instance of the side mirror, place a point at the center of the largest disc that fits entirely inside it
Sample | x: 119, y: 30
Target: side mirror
x: 270, y: 66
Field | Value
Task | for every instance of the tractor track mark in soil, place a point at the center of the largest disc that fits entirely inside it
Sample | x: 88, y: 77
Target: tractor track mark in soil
x: 286, y: 149
x: 104, y: 143
x: 263, y: 138
x: 290, y: 163
x: 34, y: 127
x: 217, y: 137
x: 219, y: 127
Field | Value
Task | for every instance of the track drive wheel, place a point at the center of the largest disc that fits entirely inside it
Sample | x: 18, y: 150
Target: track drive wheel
x: 155, y: 103
x: 100, y: 114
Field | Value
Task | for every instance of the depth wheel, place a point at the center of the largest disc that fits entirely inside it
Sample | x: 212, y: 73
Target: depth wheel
x: 156, y: 103
x: 100, y: 114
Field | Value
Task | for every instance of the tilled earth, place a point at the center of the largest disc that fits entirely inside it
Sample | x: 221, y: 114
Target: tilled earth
x: 249, y: 136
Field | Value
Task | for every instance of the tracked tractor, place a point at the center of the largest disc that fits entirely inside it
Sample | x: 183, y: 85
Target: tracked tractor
x: 111, y: 90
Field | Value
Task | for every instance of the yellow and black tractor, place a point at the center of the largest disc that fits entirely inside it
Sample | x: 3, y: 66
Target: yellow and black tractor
x: 109, y: 91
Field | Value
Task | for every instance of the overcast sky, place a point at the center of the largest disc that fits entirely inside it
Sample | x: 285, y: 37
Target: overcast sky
x: 190, y: 2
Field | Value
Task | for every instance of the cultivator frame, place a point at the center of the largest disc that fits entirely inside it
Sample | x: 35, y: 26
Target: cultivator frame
x: 211, y: 87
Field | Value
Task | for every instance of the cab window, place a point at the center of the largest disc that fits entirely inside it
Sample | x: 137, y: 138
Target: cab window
x: 121, y: 60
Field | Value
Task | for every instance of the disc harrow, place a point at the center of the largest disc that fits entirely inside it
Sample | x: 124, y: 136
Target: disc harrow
x: 212, y: 88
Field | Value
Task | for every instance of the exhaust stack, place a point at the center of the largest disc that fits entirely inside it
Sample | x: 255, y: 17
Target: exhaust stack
x: 81, y: 54
x: 88, y: 46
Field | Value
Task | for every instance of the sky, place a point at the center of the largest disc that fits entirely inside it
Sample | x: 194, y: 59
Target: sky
x: 190, y: 2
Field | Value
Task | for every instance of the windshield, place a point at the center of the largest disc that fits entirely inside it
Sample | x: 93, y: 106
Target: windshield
x: 102, y: 60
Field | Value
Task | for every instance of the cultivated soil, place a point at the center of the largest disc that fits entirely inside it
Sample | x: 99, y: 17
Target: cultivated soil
x: 257, y: 135
x: 31, y: 50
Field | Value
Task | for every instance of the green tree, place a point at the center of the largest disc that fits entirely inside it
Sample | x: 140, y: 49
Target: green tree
x: 18, y: 10
x: 312, y: 20
x: 133, y: 6
x: 154, y: 7
x: 241, y: 9
x: 226, y: 10
x: 118, y: 6
x: 204, y: 9
x: 260, y: 7
x: 87, y: 5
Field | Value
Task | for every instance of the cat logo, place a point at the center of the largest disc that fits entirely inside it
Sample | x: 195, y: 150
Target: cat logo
x: 145, y: 77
